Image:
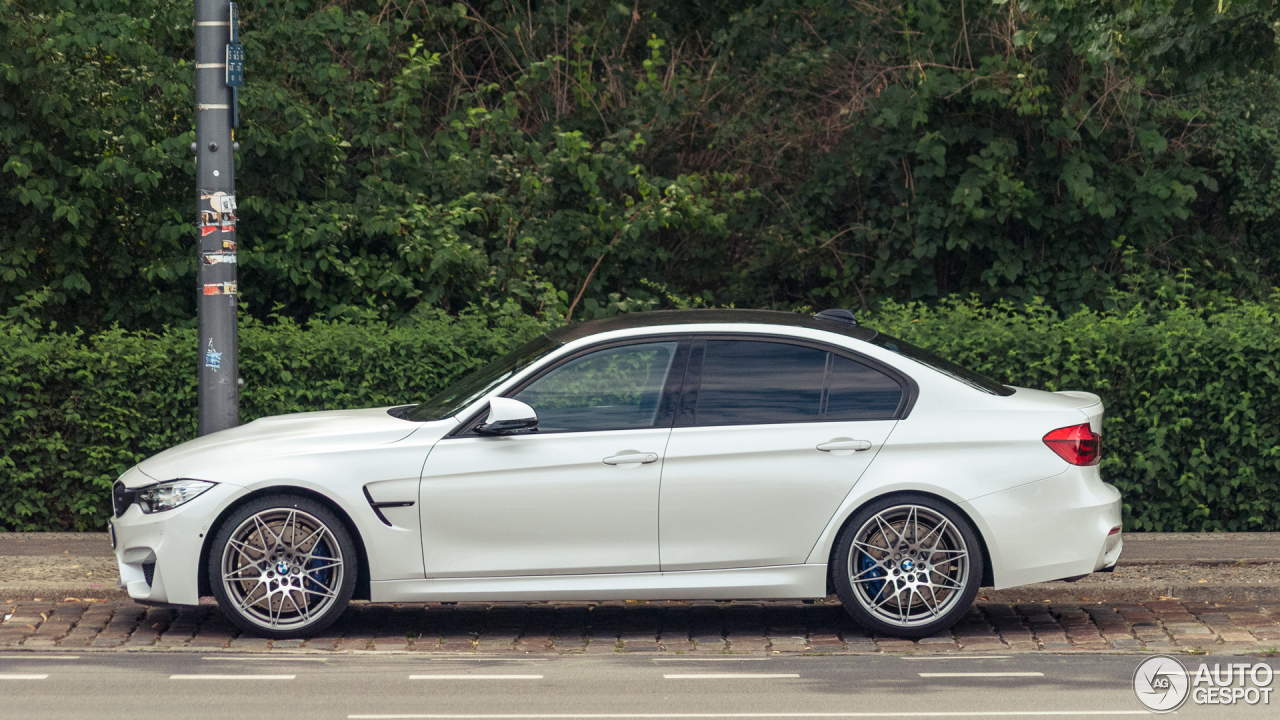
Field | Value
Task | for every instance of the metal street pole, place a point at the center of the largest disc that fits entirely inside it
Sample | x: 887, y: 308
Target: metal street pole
x: 218, y: 362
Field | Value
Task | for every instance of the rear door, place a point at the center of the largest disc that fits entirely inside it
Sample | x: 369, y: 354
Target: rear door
x: 770, y: 437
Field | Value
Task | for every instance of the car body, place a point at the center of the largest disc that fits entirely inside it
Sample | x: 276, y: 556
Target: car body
x: 743, y: 492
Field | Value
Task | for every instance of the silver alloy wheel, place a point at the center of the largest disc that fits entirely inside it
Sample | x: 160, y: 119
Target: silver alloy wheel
x: 909, y: 565
x: 282, y: 568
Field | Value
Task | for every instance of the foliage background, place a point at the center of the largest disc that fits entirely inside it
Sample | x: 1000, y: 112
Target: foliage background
x: 421, y: 182
x: 402, y: 154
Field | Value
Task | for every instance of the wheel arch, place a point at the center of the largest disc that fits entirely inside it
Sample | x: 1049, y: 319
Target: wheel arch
x: 362, y: 576
x: 988, y: 575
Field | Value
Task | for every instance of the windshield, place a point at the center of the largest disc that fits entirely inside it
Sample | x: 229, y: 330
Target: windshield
x: 460, y: 394
x: 946, y: 367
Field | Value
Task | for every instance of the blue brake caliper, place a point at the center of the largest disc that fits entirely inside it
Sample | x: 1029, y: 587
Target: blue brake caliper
x: 865, y: 563
x: 322, y: 549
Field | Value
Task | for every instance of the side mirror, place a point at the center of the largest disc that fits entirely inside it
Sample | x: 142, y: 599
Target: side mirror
x: 507, y: 416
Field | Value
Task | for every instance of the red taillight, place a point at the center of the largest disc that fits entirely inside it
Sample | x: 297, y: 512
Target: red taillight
x: 1078, y: 444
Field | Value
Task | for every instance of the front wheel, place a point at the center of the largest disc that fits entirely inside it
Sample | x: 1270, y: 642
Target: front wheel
x: 907, y: 566
x: 282, y: 566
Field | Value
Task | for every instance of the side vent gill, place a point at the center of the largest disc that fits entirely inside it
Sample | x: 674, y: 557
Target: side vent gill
x: 377, y: 506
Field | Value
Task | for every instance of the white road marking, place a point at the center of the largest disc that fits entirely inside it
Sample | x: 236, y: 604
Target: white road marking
x: 984, y: 674
x: 23, y: 677
x: 711, y: 659
x: 39, y: 657
x: 282, y: 658
x: 730, y: 676
x: 957, y: 657
x: 232, y: 677
x: 475, y: 677
x: 680, y: 715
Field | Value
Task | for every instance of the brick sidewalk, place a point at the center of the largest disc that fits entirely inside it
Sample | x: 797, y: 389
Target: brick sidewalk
x: 659, y: 627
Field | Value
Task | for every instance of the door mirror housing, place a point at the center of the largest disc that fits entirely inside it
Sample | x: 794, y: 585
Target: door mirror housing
x: 506, y: 417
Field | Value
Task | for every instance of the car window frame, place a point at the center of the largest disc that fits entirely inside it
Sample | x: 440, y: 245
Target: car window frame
x: 686, y: 415
x: 672, y: 389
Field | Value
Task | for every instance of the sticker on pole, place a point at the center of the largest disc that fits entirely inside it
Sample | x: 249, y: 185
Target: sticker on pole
x: 221, y: 215
x: 212, y: 358
x: 228, y: 288
x: 218, y: 258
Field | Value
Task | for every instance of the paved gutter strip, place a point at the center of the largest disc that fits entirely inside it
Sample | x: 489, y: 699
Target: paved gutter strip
x: 1173, y: 592
x: 672, y: 631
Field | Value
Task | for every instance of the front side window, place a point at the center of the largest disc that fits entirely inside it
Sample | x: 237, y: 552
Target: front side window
x: 618, y: 388
x: 451, y: 400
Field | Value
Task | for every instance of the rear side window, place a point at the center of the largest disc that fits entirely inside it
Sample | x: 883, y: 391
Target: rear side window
x: 858, y: 392
x: 750, y: 382
x: 746, y: 382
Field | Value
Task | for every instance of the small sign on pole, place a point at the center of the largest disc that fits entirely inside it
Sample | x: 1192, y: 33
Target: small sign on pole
x: 235, y: 65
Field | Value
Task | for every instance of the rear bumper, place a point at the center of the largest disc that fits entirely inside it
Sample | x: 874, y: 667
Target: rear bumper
x: 1054, y: 528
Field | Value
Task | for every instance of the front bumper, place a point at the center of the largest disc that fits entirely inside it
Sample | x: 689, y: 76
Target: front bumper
x: 1055, y: 528
x: 159, y: 554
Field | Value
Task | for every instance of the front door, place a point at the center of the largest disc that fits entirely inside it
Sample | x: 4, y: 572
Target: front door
x: 764, y: 452
x: 578, y: 495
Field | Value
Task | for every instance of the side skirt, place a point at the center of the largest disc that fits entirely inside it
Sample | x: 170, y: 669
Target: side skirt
x: 778, y: 582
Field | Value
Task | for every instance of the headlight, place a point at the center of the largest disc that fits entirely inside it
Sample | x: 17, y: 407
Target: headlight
x: 169, y: 495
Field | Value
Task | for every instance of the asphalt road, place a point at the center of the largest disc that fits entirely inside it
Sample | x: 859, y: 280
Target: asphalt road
x: 371, y: 687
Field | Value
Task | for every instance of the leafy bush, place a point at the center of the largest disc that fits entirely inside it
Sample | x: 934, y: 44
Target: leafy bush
x: 1192, y: 394
x: 77, y: 410
x: 773, y: 153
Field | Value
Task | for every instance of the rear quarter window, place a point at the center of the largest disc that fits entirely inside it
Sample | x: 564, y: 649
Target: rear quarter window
x: 946, y: 367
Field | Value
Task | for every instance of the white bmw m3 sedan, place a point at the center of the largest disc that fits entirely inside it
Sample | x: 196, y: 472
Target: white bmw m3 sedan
x: 696, y: 454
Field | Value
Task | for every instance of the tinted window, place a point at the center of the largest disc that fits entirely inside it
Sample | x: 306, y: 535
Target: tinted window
x: 946, y: 367
x: 615, y: 389
x: 857, y: 392
x: 748, y: 382
x: 462, y: 393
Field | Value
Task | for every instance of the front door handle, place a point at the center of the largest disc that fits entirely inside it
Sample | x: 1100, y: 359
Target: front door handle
x: 632, y: 458
x: 845, y: 444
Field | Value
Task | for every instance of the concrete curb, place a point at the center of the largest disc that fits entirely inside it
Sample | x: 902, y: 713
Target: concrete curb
x: 60, y: 592
x: 1070, y: 593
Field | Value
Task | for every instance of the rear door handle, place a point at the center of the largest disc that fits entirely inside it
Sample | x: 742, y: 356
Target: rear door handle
x: 631, y: 459
x: 845, y: 444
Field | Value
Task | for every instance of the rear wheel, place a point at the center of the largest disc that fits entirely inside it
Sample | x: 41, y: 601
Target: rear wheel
x: 907, y: 566
x: 282, y: 566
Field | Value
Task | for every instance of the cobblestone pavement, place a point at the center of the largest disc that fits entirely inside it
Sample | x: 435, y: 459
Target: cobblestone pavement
x: 656, y: 627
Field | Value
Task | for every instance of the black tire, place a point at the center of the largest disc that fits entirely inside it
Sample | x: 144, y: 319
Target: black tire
x: 907, y: 566
x: 291, y: 570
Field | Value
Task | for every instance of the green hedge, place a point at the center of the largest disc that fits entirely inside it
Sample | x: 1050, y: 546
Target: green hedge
x: 1192, y: 430
x: 76, y: 411
x: 1193, y: 396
